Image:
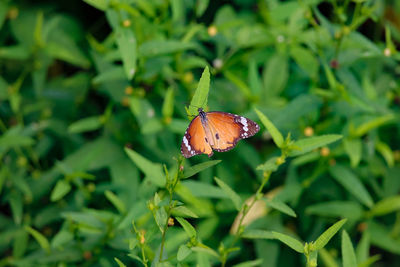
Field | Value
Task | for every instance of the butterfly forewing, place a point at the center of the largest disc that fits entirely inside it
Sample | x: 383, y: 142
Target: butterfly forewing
x: 228, y: 129
x: 194, y: 140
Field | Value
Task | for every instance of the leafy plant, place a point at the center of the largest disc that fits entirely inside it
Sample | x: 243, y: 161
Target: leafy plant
x: 95, y: 96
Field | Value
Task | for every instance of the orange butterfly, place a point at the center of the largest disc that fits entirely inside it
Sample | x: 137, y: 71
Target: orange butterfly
x: 215, y: 130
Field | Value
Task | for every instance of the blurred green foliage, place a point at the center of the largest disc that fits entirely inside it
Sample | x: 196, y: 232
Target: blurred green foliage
x: 82, y: 80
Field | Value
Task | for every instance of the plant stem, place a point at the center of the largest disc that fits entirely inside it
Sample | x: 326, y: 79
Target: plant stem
x: 171, y: 204
x: 244, y: 211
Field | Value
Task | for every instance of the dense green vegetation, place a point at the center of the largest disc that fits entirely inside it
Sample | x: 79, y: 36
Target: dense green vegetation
x: 95, y: 97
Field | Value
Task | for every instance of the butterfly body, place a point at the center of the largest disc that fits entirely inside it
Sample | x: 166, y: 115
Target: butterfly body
x: 219, y: 131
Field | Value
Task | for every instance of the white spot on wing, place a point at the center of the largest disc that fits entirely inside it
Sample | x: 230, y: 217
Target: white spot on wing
x: 243, y: 121
x: 185, y: 141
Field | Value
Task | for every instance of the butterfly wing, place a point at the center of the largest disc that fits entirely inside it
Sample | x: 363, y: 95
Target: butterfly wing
x: 227, y: 129
x: 194, y: 141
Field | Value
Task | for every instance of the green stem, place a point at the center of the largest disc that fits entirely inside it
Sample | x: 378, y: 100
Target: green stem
x: 171, y: 204
x: 244, y: 211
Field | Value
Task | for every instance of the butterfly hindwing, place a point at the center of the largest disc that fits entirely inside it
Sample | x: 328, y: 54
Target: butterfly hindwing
x: 194, y: 140
x: 227, y: 129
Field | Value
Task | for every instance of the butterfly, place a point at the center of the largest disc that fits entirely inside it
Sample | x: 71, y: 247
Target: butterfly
x: 216, y: 130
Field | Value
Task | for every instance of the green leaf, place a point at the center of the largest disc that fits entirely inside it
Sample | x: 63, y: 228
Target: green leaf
x: 65, y: 49
x: 205, y: 249
x: 351, y: 183
x: 201, y: 6
x: 363, y: 247
x: 324, y: 238
x: 183, y: 211
x: 41, y: 239
x: 327, y: 258
x: 275, y: 134
x: 257, y: 262
x: 289, y: 241
x: 372, y: 124
x: 189, y: 172
x: 353, y: 149
x: 60, y: 190
x: 381, y: 236
x: 161, y: 215
x: 386, y: 153
x: 348, y: 255
x: 257, y: 234
x: 127, y: 46
x: 116, y: 201
x: 237, y: 201
x: 3, y: 12
x: 269, y: 165
x: 86, y: 124
x: 8, y: 141
x: 120, y: 263
x: 99, y: 4
x: 168, y: 105
x: 255, y: 83
x: 153, y: 171
x: 305, y: 145
x: 189, y: 229
x: 183, y: 252
x: 385, y: 206
x: 347, y: 209
x: 241, y: 85
x: 200, y: 96
x: 156, y: 47
x: 16, y: 52
x: 306, y: 60
x: 281, y: 206
x: 275, y: 75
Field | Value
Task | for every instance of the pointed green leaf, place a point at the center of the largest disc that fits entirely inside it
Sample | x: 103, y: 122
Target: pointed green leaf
x: 275, y: 75
x: 120, y: 263
x: 189, y: 229
x: 289, y: 241
x: 372, y: 124
x: 127, y: 46
x: 348, y: 209
x: 353, y: 149
x: 257, y: 234
x: 206, y: 250
x: 199, y: 167
x: 183, y: 252
x: 386, y: 152
x: 269, y: 165
x: 351, y: 183
x: 257, y: 262
x: 381, y: 236
x: 152, y: 170
x: 99, y: 4
x: 281, y: 206
x: 305, y: 145
x: 183, y: 211
x: 275, y: 134
x: 40, y: 238
x: 116, y: 201
x: 86, y: 124
x: 60, y: 190
x: 363, y: 247
x: 323, y: 239
x: 348, y: 255
x: 168, y: 105
x: 154, y: 47
x: 237, y: 201
x: 385, y: 206
x: 200, y: 96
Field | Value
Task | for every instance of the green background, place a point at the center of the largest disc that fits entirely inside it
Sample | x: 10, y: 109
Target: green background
x: 82, y: 80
